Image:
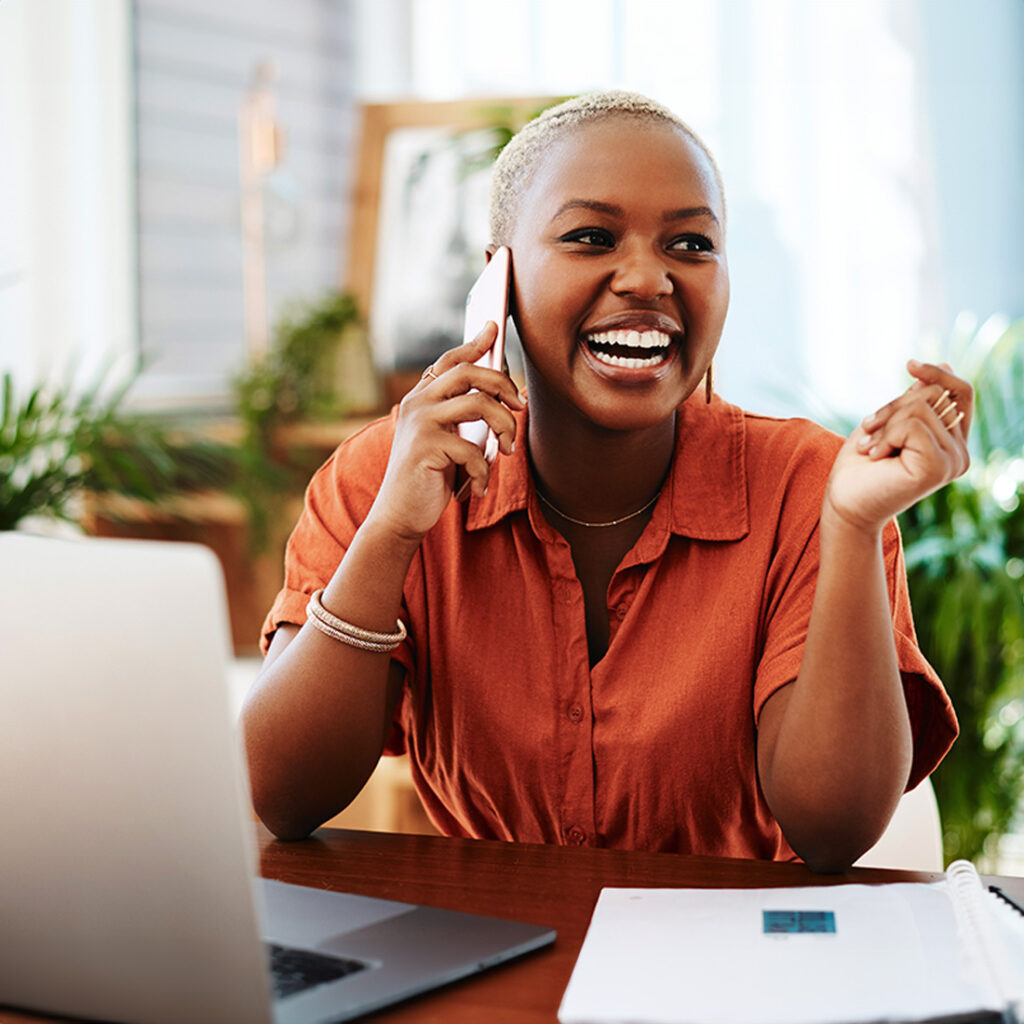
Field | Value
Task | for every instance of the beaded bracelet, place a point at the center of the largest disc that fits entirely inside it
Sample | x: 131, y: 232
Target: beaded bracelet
x: 355, y: 636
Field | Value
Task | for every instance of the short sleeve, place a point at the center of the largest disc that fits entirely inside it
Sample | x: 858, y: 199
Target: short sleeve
x: 337, y: 501
x: 932, y: 719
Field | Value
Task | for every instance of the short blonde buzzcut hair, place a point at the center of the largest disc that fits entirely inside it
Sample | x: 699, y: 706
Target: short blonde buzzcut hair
x: 516, y: 161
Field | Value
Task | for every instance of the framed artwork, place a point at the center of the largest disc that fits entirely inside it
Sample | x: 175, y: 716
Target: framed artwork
x: 419, y: 219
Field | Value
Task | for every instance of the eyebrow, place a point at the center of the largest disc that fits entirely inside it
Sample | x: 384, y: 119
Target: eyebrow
x: 685, y: 213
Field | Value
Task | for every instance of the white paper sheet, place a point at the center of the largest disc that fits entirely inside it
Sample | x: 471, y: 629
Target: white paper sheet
x: 701, y: 956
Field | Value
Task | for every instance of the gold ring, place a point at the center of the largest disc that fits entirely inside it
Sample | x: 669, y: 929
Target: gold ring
x: 429, y: 372
x: 939, y: 405
x: 950, y: 426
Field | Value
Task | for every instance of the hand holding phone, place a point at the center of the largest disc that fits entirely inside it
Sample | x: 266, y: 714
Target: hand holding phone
x: 488, y: 300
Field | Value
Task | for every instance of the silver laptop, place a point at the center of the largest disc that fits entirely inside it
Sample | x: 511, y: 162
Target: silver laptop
x: 128, y: 888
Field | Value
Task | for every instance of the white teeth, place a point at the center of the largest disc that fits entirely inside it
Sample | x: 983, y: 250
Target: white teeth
x: 627, y: 361
x: 651, y: 347
x: 633, y: 339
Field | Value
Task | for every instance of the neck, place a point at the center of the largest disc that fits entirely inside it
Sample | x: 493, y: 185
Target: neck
x: 592, y: 473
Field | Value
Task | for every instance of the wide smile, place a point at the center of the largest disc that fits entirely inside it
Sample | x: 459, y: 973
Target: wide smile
x: 629, y: 349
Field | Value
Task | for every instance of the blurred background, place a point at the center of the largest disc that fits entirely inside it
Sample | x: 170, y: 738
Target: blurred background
x: 230, y: 233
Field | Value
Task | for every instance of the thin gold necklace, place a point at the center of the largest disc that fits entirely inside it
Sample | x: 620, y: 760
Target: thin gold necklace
x: 612, y: 522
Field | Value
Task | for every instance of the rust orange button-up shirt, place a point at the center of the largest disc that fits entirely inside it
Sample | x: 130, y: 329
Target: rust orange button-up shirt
x: 512, y: 735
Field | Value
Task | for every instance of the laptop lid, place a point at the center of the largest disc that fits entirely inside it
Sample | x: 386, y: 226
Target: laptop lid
x: 127, y: 865
x: 127, y: 860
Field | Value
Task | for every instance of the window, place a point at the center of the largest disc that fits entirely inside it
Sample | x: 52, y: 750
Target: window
x: 195, y: 62
x: 840, y: 129
x: 67, y: 282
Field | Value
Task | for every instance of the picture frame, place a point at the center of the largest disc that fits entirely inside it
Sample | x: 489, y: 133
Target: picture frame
x: 419, y: 221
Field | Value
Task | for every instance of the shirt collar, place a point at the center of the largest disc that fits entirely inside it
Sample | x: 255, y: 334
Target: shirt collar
x: 509, y: 486
x: 708, y: 480
x: 706, y: 490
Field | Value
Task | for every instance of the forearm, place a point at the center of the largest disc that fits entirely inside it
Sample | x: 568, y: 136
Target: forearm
x: 317, y: 718
x: 319, y: 714
x: 835, y: 748
x: 842, y: 753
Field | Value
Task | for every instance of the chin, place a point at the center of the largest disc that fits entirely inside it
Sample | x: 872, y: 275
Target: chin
x: 631, y: 416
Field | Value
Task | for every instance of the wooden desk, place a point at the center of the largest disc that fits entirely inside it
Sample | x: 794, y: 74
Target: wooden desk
x: 555, y: 886
x: 548, y: 885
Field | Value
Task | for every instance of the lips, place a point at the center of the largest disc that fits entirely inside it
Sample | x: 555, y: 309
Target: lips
x: 632, y: 340
x: 629, y: 348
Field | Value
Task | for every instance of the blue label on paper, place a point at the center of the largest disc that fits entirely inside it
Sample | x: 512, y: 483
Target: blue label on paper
x: 790, y: 921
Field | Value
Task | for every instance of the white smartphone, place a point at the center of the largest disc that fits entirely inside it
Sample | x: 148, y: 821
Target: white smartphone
x: 488, y: 300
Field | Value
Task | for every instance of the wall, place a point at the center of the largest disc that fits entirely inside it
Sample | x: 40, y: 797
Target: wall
x: 194, y: 61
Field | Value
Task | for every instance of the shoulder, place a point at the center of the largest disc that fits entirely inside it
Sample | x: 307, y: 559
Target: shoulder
x: 787, y: 462
x: 353, y: 472
x: 774, y: 436
x: 366, y: 450
x: 371, y: 442
x: 729, y: 431
x: 782, y: 450
x: 734, y: 470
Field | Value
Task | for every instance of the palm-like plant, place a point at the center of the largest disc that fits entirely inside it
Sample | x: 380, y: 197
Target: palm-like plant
x: 55, y: 445
x: 965, y: 565
x: 964, y: 549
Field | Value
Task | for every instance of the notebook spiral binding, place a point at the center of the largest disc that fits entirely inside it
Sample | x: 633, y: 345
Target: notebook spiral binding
x: 1006, y: 899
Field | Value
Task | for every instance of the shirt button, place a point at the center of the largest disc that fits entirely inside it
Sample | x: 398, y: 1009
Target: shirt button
x: 576, y: 836
x: 576, y: 713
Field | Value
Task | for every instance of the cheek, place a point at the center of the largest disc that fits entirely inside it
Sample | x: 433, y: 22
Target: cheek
x: 720, y: 292
x: 707, y: 292
x: 543, y: 299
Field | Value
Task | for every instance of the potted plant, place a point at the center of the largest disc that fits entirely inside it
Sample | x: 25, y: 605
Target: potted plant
x: 318, y: 371
x: 56, y: 446
x: 964, y: 552
x: 965, y: 565
x: 291, y: 408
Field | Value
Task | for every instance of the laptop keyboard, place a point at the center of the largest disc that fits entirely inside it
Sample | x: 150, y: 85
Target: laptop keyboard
x: 294, y: 970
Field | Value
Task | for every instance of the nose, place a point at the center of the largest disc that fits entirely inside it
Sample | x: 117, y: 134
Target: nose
x: 641, y: 272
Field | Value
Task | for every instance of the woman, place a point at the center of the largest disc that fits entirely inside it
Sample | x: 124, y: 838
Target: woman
x: 657, y: 621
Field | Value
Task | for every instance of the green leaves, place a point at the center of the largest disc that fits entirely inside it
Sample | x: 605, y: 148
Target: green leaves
x: 55, y: 444
x: 296, y: 380
x: 964, y: 551
x: 991, y: 357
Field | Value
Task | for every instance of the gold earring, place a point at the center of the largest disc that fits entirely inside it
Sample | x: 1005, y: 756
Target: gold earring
x: 708, y: 383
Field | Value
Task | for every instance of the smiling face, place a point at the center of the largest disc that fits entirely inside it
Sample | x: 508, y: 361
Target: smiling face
x: 621, y: 282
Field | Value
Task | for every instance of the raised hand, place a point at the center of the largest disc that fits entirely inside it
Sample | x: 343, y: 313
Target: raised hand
x: 427, y: 450
x: 909, y: 448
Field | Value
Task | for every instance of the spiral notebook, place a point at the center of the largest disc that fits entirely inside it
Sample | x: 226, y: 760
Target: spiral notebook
x: 843, y: 954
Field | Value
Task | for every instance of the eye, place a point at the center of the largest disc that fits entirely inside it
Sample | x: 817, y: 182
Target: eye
x: 692, y: 243
x: 590, y: 236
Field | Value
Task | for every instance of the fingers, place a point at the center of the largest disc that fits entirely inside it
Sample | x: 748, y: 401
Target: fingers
x: 942, y: 376
x: 468, y: 393
x: 468, y: 377
x: 932, y: 421
x: 473, y: 355
x: 472, y: 406
x: 428, y: 451
x: 950, y: 414
x: 468, y: 353
x: 944, y: 392
x: 462, y: 390
x: 932, y: 417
